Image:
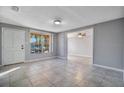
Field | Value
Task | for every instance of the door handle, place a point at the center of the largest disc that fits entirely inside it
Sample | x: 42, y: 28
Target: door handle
x: 22, y: 47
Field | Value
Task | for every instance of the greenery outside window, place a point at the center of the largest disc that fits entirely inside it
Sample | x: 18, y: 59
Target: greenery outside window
x: 40, y: 43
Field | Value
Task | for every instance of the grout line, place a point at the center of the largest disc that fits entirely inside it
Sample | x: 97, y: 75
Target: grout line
x: 30, y: 82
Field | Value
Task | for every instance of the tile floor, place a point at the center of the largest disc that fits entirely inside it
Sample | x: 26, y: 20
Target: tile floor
x: 74, y: 72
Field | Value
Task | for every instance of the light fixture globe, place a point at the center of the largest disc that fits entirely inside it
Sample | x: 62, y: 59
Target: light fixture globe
x: 57, y: 22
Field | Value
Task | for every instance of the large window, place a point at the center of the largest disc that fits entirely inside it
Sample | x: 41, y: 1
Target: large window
x: 40, y: 43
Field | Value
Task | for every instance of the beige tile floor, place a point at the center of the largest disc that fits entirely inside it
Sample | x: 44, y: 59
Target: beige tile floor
x: 74, y: 72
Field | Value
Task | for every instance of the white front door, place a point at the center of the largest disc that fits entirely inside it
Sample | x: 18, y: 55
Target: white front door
x: 13, y: 46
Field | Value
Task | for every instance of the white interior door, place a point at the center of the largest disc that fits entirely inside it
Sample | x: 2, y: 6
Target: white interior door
x: 13, y: 46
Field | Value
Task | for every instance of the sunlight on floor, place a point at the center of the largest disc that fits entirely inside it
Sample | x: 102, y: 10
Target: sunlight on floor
x: 9, y: 71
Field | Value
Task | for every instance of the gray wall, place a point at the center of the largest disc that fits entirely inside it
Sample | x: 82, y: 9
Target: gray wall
x: 123, y: 50
x: 28, y: 55
x: 108, y: 43
x: 0, y: 46
x: 62, y: 45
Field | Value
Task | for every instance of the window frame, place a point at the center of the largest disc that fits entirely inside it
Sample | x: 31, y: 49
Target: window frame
x: 50, y: 42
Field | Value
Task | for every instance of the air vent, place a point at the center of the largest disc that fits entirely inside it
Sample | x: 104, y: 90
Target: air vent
x: 15, y: 8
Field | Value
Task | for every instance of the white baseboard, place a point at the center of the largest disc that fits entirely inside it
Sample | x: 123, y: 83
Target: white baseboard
x: 61, y: 57
x: 41, y: 59
x: 79, y: 55
x: 107, y: 67
x: 111, y: 68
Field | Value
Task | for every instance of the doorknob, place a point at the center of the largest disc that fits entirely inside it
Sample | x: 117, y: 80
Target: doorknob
x: 22, y: 47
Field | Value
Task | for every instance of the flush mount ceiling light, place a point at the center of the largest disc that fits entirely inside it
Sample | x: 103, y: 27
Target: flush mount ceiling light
x: 57, y: 22
x: 15, y: 8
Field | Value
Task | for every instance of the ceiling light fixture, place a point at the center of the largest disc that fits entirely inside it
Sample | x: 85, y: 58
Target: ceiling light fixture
x: 57, y: 22
x: 80, y: 35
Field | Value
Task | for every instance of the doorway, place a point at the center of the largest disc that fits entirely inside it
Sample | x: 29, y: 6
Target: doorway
x: 13, y: 46
x: 80, y: 45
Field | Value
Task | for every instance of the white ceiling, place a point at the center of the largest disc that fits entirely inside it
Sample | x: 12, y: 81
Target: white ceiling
x: 41, y: 17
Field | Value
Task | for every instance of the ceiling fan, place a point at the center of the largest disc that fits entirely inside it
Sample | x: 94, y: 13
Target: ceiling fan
x: 80, y: 35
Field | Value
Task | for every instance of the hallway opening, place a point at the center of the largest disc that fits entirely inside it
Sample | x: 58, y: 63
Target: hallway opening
x: 80, y: 45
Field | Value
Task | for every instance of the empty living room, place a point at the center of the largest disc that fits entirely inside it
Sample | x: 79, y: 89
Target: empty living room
x: 61, y: 46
